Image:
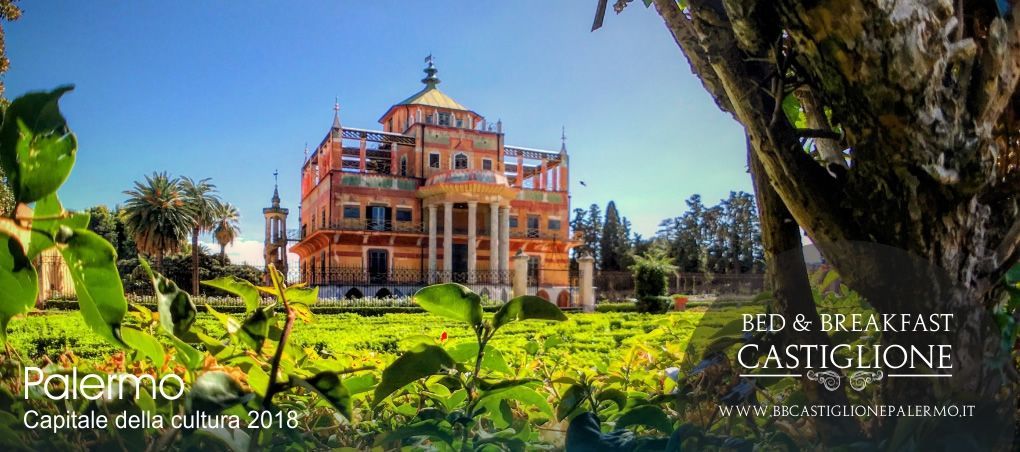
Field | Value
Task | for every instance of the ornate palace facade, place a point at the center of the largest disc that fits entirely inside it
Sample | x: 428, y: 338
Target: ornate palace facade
x: 434, y: 196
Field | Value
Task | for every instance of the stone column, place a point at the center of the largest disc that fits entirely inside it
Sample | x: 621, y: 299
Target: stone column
x: 432, y: 242
x: 586, y: 265
x: 494, y: 232
x: 361, y: 156
x: 448, y: 240
x: 520, y: 171
x: 541, y: 177
x: 504, y: 241
x: 520, y: 285
x: 472, y: 237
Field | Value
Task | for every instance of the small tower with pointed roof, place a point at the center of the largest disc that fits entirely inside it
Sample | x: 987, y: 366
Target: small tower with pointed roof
x: 275, y: 248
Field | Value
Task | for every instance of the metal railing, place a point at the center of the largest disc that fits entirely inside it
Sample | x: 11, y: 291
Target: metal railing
x: 364, y: 276
x: 369, y: 225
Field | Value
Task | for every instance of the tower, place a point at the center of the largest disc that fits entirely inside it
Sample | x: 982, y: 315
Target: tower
x: 275, y: 249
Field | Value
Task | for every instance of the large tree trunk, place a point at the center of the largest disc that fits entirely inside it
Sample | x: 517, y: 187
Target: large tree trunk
x: 921, y: 221
x: 194, y: 260
x: 787, y: 276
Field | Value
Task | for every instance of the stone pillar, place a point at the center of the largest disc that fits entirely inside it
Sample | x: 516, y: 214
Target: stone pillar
x: 361, y: 156
x: 520, y: 171
x: 494, y: 232
x: 586, y: 265
x: 541, y: 176
x: 448, y: 240
x: 504, y: 241
x: 432, y: 242
x: 269, y: 230
x: 520, y: 285
x: 555, y: 179
x: 472, y: 237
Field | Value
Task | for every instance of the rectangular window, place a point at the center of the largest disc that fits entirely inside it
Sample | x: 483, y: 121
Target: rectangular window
x: 554, y: 225
x: 444, y: 119
x: 323, y: 217
x: 487, y: 164
x: 403, y: 214
x: 433, y: 160
x: 378, y: 218
x: 352, y: 212
x: 533, y: 222
x: 513, y: 221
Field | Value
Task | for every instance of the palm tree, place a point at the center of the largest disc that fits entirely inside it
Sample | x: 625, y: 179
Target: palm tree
x: 157, y: 215
x: 226, y: 227
x: 202, y: 201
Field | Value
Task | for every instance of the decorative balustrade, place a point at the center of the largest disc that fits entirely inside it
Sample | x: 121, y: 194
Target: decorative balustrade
x: 364, y: 276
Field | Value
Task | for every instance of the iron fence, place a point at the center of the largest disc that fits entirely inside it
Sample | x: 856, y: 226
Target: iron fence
x: 620, y: 285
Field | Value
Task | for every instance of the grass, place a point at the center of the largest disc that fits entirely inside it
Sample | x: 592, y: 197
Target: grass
x: 588, y: 337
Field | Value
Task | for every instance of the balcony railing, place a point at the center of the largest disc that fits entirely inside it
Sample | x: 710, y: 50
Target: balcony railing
x: 359, y: 224
x: 363, y: 276
x: 534, y: 234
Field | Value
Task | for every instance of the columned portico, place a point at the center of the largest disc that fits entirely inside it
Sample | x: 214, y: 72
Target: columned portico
x: 472, y: 240
x: 448, y: 238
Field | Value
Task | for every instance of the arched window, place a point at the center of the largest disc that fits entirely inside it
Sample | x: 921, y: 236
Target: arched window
x: 403, y: 166
x: 460, y: 161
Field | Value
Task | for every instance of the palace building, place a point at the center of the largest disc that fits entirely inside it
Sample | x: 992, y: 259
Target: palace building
x: 434, y: 196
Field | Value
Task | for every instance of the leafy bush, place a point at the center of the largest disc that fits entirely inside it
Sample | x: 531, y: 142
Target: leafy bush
x: 651, y: 273
x: 616, y: 307
x: 654, y: 304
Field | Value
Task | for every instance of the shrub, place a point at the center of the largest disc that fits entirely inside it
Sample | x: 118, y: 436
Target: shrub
x: 651, y: 274
x: 615, y: 307
x: 654, y: 304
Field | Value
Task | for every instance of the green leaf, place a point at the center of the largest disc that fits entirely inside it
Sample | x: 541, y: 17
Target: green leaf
x: 360, y: 383
x: 43, y: 231
x: 432, y: 428
x: 571, y: 400
x: 37, y: 150
x: 176, y: 310
x: 467, y: 352
x: 215, y: 391
x: 1013, y: 275
x: 18, y: 282
x: 616, y: 396
x: 417, y: 363
x: 190, y: 356
x: 329, y: 386
x: 240, y: 287
x: 523, y: 395
x: 92, y: 262
x: 256, y: 327
x: 451, y: 300
x: 791, y: 107
x: 527, y: 307
x: 302, y: 295
x: 147, y: 345
x: 647, y: 415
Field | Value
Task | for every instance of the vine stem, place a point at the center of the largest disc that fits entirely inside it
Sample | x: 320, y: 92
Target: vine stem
x: 274, y: 368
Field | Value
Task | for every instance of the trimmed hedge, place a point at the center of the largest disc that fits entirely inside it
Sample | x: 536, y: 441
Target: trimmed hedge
x: 365, y: 311
x: 616, y: 307
x: 654, y: 304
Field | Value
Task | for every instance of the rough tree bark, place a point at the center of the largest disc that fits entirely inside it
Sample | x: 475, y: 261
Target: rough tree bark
x: 925, y: 102
x: 786, y: 274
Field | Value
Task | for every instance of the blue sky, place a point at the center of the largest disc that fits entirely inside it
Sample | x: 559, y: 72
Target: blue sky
x: 232, y: 90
